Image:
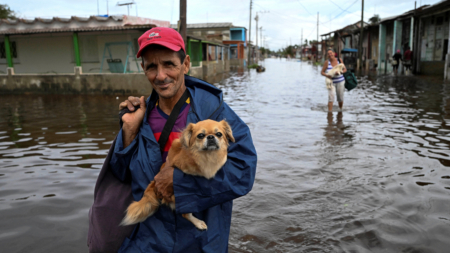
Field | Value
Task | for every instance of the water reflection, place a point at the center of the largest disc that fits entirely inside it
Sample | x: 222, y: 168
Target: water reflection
x: 334, y: 132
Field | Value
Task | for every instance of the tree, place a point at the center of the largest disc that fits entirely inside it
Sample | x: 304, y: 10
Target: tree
x: 265, y: 51
x: 375, y: 19
x: 6, y: 12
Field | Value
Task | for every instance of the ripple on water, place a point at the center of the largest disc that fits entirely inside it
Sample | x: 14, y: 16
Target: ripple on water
x: 372, y: 178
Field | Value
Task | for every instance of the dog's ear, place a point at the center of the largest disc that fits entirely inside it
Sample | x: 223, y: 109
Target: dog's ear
x: 186, y: 135
x: 228, y: 133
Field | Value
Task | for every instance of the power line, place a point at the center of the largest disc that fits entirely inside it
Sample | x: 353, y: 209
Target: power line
x: 344, y: 10
x: 340, y: 7
x: 304, y: 7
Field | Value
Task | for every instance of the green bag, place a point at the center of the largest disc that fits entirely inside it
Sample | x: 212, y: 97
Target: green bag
x: 350, y: 80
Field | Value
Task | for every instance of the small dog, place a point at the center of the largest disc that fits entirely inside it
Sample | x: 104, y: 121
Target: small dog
x: 336, y: 70
x: 200, y: 151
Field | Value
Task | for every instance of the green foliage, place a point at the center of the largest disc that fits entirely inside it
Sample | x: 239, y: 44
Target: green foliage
x: 266, y: 51
x: 289, y: 50
x: 375, y: 19
x: 6, y: 12
x: 253, y: 66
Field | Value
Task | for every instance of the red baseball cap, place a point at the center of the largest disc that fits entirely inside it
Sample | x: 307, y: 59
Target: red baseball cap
x: 164, y: 36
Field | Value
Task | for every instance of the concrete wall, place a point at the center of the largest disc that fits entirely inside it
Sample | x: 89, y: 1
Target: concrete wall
x: 54, y: 53
x: 105, y: 83
x: 432, y: 67
x: 197, y: 71
x: 209, y: 69
x: 76, y: 84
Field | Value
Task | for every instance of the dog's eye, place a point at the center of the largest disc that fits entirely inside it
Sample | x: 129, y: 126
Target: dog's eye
x: 201, y: 136
x: 219, y: 134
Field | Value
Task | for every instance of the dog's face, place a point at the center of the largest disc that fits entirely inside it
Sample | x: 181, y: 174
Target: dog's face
x: 207, y: 135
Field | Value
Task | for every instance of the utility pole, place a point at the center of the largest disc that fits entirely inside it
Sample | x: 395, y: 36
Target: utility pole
x: 257, y: 50
x: 361, y: 35
x: 249, y: 33
x: 260, y: 36
x: 301, y: 47
x: 107, y: 8
x: 183, y: 26
x: 317, y: 41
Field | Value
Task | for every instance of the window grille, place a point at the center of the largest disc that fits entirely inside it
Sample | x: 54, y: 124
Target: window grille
x: 13, y: 49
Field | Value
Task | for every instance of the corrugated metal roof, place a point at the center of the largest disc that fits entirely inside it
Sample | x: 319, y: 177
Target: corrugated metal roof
x: 81, y: 29
x: 58, y: 19
x: 354, y: 26
x: 77, y: 24
x: 206, y: 25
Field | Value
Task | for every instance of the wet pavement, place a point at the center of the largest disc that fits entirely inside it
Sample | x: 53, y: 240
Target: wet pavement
x: 373, y: 178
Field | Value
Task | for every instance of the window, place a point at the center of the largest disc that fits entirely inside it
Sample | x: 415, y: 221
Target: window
x: 89, y: 49
x: 13, y: 49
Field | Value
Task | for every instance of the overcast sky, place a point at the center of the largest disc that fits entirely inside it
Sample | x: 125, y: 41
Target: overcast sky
x: 282, y: 21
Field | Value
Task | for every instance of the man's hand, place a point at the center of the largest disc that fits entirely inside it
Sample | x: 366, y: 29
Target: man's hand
x: 131, y: 102
x: 164, y: 182
x: 132, y: 121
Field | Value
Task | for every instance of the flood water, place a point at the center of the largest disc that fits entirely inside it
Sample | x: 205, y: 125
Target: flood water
x: 374, y: 178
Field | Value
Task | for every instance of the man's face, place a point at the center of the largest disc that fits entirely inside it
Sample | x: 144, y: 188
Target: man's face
x: 164, y: 70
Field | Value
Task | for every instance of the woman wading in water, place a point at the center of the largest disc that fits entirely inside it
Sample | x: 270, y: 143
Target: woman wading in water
x: 338, y: 80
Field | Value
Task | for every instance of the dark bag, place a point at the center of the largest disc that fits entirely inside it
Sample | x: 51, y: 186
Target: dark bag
x: 111, y: 199
x: 350, y: 79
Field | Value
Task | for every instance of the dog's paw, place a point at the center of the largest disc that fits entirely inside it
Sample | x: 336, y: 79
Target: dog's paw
x: 201, y: 225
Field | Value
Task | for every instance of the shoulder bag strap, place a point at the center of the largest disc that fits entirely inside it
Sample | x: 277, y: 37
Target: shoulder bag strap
x: 171, y: 120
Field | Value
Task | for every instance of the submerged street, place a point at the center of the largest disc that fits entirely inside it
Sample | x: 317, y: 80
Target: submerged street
x: 373, y: 178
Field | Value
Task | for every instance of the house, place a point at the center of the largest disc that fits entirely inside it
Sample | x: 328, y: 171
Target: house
x: 214, y: 47
x: 346, y: 37
x: 395, y: 33
x: 430, y: 54
x: 223, y: 33
x: 90, y: 44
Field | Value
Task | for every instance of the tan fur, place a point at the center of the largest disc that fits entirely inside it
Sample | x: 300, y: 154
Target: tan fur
x: 187, y: 154
x: 332, y: 72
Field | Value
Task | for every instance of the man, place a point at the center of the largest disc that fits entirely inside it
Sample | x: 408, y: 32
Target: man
x: 136, y: 157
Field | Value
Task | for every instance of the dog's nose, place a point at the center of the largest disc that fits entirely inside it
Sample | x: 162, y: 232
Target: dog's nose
x: 210, y: 137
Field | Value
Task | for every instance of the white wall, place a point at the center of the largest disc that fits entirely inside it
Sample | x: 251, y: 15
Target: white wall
x: 42, y: 54
x: 54, y: 53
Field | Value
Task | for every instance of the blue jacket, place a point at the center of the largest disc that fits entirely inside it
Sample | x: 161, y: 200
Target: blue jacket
x: 209, y: 200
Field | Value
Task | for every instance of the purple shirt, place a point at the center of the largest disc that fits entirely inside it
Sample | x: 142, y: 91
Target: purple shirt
x: 157, y: 119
